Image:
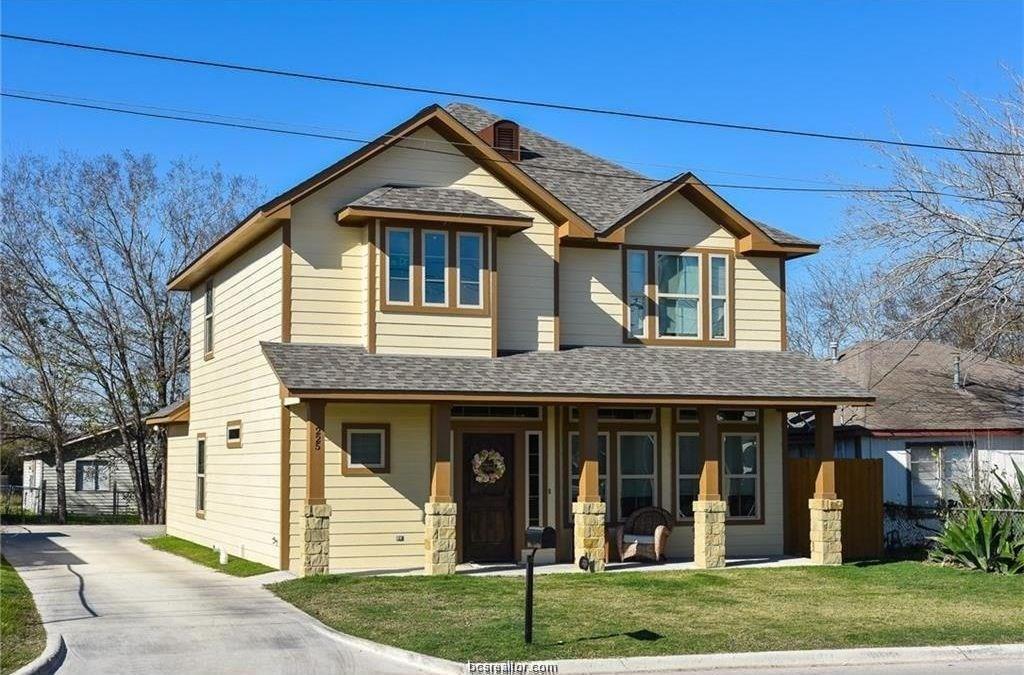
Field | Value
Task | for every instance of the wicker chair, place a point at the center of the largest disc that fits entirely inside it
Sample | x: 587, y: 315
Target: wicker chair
x: 645, y: 534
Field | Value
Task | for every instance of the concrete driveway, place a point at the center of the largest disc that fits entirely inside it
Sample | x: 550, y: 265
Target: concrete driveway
x: 124, y: 608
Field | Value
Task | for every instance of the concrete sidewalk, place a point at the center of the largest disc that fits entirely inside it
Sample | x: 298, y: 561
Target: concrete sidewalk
x: 124, y: 608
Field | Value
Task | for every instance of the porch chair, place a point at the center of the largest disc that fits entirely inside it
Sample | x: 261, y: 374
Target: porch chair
x: 644, y: 535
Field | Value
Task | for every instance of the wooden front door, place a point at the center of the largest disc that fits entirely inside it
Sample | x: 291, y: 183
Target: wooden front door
x: 487, y: 507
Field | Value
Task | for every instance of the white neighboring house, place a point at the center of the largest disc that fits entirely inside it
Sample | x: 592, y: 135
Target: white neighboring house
x: 941, y: 417
x: 97, y: 482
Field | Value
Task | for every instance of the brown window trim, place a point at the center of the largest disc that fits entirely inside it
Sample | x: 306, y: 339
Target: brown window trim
x: 227, y: 435
x: 755, y: 428
x: 416, y: 304
x: 346, y: 469
x: 651, y: 323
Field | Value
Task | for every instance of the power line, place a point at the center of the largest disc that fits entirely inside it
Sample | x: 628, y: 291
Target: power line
x: 498, y: 99
x: 350, y: 139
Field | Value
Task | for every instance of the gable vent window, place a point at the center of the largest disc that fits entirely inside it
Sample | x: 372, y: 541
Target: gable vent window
x: 506, y: 139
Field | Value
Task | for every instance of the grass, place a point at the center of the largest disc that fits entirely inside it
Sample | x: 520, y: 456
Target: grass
x: 653, y: 613
x: 26, y: 518
x: 21, y: 630
x: 238, y: 567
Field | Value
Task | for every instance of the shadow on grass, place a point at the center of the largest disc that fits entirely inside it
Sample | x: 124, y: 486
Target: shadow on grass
x: 642, y: 635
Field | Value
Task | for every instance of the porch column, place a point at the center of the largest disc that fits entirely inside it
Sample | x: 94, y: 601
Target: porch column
x: 826, y: 508
x: 439, y: 513
x: 709, y: 509
x: 588, y: 510
x: 316, y: 537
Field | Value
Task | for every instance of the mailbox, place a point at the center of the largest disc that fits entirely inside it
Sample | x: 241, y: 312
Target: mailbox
x: 540, y: 537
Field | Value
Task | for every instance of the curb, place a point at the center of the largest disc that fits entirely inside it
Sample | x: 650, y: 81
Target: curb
x: 50, y: 660
x: 789, y: 659
x: 421, y: 662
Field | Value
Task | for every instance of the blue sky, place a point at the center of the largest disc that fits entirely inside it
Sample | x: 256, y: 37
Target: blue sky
x: 871, y: 68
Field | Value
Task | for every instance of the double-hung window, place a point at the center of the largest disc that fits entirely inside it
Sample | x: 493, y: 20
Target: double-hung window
x: 399, y: 265
x: 687, y: 472
x: 637, y: 457
x: 201, y: 474
x: 741, y: 473
x: 435, y: 267
x: 470, y: 253
x: 719, y: 297
x: 602, y: 466
x: 936, y: 470
x: 678, y: 295
x: 636, y: 292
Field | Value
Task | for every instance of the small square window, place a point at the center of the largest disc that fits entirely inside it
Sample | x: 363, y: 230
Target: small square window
x: 234, y: 434
x: 365, y: 450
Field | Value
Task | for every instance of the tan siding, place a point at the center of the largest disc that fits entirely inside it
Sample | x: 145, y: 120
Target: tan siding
x: 758, y: 303
x: 677, y: 222
x: 329, y: 266
x: 590, y: 296
x: 242, y: 495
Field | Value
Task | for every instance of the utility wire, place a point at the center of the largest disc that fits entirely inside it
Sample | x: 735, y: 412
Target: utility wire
x: 498, y: 99
x: 351, y: 139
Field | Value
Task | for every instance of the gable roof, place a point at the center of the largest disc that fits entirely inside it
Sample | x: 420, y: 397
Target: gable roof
x: 604, y: 373
x: 585, y: 193
x: 913, y: 383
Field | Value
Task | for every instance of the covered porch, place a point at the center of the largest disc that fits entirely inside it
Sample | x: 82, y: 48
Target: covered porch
x: 477, y: 468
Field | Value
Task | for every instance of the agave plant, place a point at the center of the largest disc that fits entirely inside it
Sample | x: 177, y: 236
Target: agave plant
x: 988, y: 534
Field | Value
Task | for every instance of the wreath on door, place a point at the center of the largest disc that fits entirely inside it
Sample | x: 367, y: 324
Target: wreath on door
x: 488, y: 466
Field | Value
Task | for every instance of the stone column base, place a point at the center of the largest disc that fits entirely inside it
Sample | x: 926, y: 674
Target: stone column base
x: 316, y: 539
x: 439, y: 530
x: 709, y: 534
x: 589, y: 533
x: 826, y: 531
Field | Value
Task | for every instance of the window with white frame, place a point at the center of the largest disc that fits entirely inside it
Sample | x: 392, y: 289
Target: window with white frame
x: 636, y: 291
x: 201, y: 474
x: 574, y: 468
x: 936, y: 470
x: 435, y: 267
x: 399, y: 265
x: 678, y: 295
x: 637, y: 469
x: 534, y: 483
x: 208, y: 319
x: 366, y: 447
x: 741, y: 473
x: 471, y: 269
x: 687, y: 472
x: 92, y: 475
x: 719, y: 297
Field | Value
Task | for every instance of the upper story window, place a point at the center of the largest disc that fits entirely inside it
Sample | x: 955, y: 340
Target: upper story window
x: 399, y: 265
x: 470, y: 269
x: 208, y: 320
x: 677, y: 296
x: 434, y: 270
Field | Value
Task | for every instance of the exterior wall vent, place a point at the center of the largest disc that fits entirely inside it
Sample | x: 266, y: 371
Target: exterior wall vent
x: 506, y: 139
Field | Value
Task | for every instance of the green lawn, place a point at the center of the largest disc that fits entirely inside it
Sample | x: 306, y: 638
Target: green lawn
x: 25, y: 518
x: 239, y: 567
x: 21, y: 631
x: 652, y: 613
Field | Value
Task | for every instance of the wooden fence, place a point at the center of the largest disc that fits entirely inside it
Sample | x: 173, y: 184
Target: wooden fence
x: 859, y: 485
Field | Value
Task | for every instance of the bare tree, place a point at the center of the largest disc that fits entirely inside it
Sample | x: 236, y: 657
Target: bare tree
x: 942, y: 252
x: 107, y: 235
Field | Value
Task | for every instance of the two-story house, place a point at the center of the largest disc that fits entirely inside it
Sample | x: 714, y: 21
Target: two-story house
x: 466, y: 328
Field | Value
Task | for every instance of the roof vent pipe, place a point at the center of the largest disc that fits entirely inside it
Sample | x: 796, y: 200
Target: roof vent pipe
x: 833, y: 351
x: 958, y: 382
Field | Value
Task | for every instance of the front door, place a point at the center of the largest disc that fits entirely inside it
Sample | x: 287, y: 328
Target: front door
x: 487, y: 496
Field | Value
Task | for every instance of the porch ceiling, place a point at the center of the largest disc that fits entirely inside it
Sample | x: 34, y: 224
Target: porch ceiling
x: 585, y: 374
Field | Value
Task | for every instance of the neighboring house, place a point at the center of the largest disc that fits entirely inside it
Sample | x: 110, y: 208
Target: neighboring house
x: 466, y: 328
x: 942, y: 417
x: 97, y: 482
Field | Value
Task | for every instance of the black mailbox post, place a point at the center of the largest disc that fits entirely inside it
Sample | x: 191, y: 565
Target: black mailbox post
x: 536, y: 539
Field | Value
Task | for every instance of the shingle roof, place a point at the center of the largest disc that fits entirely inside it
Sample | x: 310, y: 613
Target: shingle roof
x: 169, y: 409
x: 452, y: 201
x: 914, y: 386
x: 586, y: 371
x: 568, y: 173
